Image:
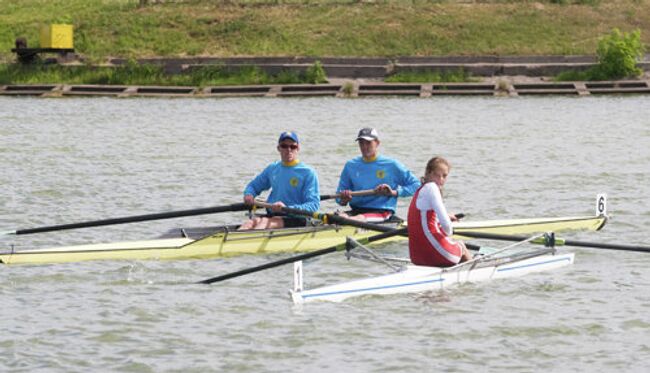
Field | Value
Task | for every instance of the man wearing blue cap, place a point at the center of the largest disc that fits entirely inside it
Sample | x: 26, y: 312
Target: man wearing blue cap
x: 388, y: 177
x: 293, y: 184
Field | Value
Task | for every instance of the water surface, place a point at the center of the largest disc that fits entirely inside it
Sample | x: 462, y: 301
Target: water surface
x: 69, y: 160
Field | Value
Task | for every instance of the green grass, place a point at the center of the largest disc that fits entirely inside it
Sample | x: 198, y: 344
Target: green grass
x: 134, y: 74
x: 120, y: 28
x: 459, y: 76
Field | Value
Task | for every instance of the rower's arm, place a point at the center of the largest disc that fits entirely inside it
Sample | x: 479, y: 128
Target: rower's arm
x: 345, y: 183
x: 259, y: 184
x: 409, y: 184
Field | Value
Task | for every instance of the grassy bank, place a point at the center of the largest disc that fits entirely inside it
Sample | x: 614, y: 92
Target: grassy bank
x: 135, y: 74
x: 121, y: 28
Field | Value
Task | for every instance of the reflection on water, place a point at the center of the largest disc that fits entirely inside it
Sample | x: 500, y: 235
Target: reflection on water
x: 69, y: 160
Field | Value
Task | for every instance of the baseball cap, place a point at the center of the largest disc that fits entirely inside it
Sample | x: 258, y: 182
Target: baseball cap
x: 368, y: 134
x: 289, y: 135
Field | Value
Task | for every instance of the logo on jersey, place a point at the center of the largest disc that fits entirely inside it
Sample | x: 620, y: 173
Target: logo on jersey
x: 293, y: 181
x: 380, y: 174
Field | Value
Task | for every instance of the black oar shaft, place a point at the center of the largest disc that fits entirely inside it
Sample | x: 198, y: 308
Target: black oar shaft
x: 559, y: 241
x: 157, y: 216
x: 608, y: 246
x: 136, y: 218
x: 268, y: 265
x: 391, y: 233
x: 492, y: 236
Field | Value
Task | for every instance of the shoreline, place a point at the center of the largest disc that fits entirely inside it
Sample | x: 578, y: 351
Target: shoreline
x: 360, y: 77
x: 512, y: 86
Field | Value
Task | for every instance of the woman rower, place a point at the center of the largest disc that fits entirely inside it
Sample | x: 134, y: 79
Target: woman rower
x: 430, y: 231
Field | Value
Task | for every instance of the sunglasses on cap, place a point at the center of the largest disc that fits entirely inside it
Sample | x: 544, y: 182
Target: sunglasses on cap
x: 289, y: 146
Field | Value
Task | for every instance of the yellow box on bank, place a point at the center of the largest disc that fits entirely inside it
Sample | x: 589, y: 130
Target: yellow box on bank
x: 57, y: 36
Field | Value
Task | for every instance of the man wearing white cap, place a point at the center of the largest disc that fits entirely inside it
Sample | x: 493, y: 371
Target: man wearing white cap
x: 388, y: 177
x: 293, y: 184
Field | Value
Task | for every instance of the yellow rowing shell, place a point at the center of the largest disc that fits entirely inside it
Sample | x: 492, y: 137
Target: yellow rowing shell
x: 225, y: 243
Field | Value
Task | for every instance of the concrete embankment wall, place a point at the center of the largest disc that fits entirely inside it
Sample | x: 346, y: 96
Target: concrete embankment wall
x: 380, y: 68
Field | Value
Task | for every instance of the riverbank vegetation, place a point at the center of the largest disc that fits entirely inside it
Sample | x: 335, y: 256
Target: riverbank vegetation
x: 457, y: 76
x: 618, y: 53
x: 133, y: 73
x: 226, y: 28
x: 321, y: 28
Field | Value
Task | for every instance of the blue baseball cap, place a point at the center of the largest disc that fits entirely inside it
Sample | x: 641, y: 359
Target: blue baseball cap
x: 289, y: 135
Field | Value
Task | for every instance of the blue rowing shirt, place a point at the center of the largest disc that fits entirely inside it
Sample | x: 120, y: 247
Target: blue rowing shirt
x: 295, y: 185
x: 359, y: 174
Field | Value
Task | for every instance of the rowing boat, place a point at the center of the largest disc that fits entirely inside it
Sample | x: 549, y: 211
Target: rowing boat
x: 226, y: 241
x: 418, y: 279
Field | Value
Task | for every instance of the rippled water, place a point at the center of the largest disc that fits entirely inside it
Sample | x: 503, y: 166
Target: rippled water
x: 69, y: 160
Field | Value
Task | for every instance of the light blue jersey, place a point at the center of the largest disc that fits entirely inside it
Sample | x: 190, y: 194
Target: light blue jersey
x: 359, y: 174
x: 294, y: 185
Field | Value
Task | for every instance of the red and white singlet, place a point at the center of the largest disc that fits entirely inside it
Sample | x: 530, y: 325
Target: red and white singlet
x: 430, y: 230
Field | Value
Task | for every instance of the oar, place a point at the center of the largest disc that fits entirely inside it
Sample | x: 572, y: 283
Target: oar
x: 157, y: 216
x: 329, y: 218
x: 560, y: 242
x: 358, y: 193
x: 391, y: 233
x: 132, y: 219
x: 333, y: 218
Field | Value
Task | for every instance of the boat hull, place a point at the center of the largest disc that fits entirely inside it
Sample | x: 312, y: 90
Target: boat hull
x: 531, y: 225
x: 227, y: 243
x: 222, y: 244
x: 419, y: 279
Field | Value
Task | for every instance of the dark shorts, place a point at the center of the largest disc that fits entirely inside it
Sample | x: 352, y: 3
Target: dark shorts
x: 294, y: 221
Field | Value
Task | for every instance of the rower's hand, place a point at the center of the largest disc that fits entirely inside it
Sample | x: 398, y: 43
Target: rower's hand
x: 277, y: 206
x: 249, y: 199
x: 345, y: 196
x: 385, y: 190
x: 453, y: 217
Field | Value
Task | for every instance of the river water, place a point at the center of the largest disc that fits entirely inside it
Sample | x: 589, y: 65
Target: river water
x: 70, y: 160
